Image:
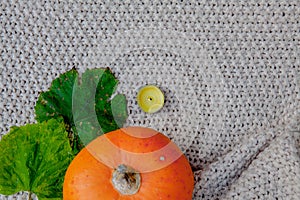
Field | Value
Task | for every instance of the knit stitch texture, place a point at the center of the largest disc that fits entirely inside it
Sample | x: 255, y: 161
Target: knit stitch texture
x: 229, y: 71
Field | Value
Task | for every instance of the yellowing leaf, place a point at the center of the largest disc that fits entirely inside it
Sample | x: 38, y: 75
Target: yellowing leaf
x: 34, y: 158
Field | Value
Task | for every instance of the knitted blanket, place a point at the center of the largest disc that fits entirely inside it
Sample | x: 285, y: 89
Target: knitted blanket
x: 229, y: 71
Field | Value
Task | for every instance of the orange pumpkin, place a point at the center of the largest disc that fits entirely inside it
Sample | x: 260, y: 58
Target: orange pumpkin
x: 130, y: 163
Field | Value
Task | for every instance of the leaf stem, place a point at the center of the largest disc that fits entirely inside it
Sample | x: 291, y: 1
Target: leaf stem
x: 29, y: 195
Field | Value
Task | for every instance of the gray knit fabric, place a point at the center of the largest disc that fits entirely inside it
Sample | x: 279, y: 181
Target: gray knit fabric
x: 229, y: 71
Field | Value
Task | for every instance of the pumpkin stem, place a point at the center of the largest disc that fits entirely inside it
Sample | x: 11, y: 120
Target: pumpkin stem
x: 126, y: 180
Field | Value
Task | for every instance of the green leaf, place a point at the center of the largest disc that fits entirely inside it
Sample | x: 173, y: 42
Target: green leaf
x: 119, y: 111
x: 95, y: 112
x: 106, y: 117
x: 57, y: 102
x: 35, y: 158
x: 85, y: 104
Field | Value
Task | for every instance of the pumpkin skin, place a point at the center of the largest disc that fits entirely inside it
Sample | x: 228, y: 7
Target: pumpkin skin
x: 88, y: 178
